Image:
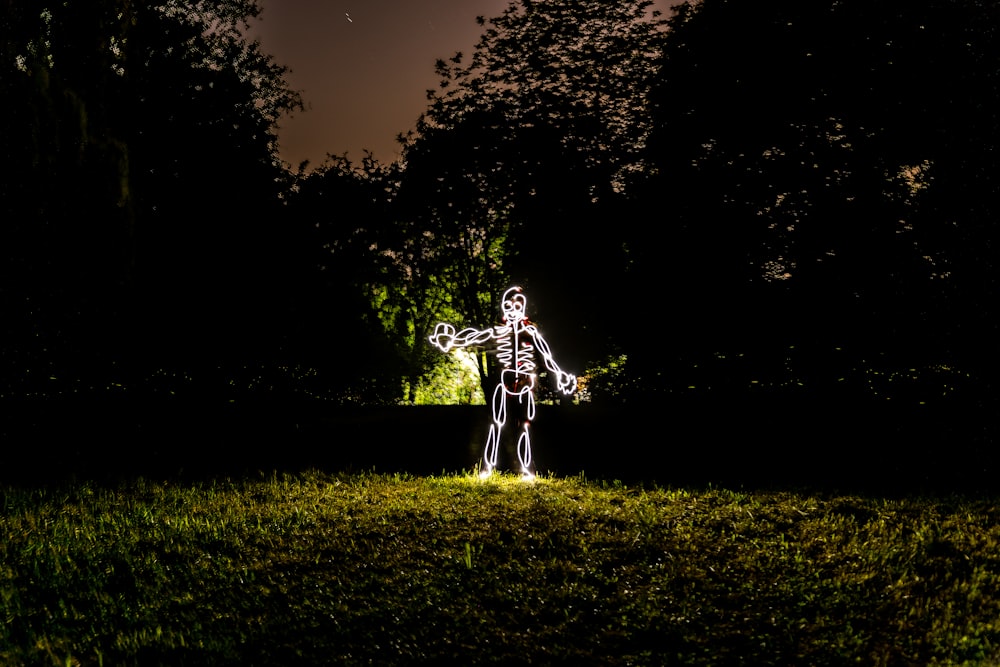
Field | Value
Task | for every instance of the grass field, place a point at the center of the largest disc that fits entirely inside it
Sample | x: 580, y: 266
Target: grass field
x: 315, y: 568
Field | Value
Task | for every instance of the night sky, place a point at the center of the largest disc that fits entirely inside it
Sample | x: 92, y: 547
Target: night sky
x: 363, y: 67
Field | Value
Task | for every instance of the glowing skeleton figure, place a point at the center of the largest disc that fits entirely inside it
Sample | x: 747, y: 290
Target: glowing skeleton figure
x: 516, y: 341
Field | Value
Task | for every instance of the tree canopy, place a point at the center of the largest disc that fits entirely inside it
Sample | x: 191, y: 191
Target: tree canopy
x: 816, y: 178
x: 513, y: 171
x: 139, y: 217
x: 741, y: 194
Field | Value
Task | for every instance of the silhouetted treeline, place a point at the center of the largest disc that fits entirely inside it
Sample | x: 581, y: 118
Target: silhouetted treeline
x: 738, y: 198
x: 825, y: 173
x: 142, y: 245
x: 778, y: 197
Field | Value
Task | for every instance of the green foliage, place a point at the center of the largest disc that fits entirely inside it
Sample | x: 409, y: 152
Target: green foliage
x: 399, y: 268
x: 454, y: 380
x: 604, y: 380
x: 517, y: 154
x: 348, y: 569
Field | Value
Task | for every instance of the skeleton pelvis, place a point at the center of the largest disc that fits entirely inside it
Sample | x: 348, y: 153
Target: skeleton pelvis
x: 516, y: 382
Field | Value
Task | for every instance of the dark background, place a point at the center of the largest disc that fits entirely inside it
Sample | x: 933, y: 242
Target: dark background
x: 764, y: 234
x: 849, y: 447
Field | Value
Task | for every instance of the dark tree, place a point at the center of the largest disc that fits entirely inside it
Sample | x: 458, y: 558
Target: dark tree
x: 67, y: 214
x: 350, y: 332
x: 824, y: 171
x: 212, y: 252
x: 141, y: 227
x: 516, y: 168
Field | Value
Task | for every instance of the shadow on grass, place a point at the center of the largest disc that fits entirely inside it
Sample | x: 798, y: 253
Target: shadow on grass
x: 769, y: 442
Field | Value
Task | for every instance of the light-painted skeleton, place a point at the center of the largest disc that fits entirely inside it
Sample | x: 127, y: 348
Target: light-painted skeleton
x: 516, y: 341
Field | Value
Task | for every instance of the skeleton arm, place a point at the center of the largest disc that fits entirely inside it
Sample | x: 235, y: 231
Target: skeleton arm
x: 445, y: 337
x: 564, y: 381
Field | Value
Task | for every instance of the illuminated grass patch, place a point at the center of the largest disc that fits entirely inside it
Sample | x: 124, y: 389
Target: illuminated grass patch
x: 336, y: 569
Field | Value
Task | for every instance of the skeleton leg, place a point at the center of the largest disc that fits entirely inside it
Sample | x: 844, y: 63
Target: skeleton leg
x: 493, y: 438
x: 524, y: 441
x: 524, y: 451
x: 490, y: 454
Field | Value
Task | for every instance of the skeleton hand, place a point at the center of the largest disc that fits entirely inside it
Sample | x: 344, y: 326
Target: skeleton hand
x: 443, y: 337
x: 566, y: 382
